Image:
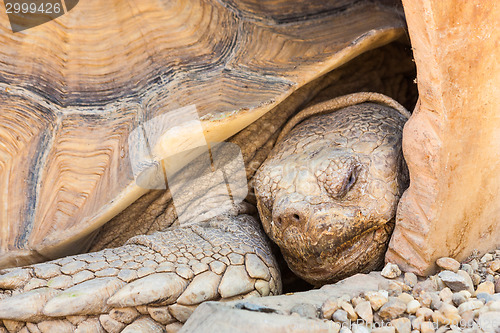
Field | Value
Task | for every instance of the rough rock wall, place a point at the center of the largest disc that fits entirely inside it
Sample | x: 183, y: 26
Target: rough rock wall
x: 452, y: 141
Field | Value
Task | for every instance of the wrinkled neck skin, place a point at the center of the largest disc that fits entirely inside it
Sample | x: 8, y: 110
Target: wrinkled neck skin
x: 328, y: 193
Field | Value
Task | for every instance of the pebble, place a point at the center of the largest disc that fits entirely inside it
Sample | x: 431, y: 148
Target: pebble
x: 476, y: 279
x: 486, y: 287
x: 457, y: 281
x: 485, y: 297
x: 410, y: 279
x: 468, y: 280
x: 446, y: 295
x: 458, y: 298
x: 406, y: 298
x: 412, y: 306
x: 487, y: 257
x: 427, y: 327
x: 340, y: 316
x: 448, y: 264
x: 467, y: 268
x: 347, y: 307
x: 329, y: 307
x: 474, y: 264
x: 442, y: 303
x: 425, y: 313
x: 377, y: 299
x: 402, y: 325
x: 495, y: 265
x: 391, y: 271
x: 470, y: 306
x: 392, y: 309
x: 364, y: 311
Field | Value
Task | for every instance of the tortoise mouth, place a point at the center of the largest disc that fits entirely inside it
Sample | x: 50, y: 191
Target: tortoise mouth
x: 318, y: 263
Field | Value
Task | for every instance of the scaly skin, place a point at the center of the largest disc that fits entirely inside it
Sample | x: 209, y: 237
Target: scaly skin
x: 152, y: 283
x: 328, y: 193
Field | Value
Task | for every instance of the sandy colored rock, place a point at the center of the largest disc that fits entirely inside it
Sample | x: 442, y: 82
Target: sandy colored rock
x: 410, y: 279
x: 329, y: 307
x: 425, y: 313
x: 402, y: 325
x: 392, y: 309
x: 448, y: 263
x: 364, y: 311
x: 486, y: 287
x: 347, y: 307
x: 406, y: 298
x: 446, y: 295
x: 377, y: 299
x: 495, y: 265
x: 451, y: 206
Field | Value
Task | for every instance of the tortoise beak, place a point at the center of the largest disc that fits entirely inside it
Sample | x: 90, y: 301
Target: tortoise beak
x: 326, y: 242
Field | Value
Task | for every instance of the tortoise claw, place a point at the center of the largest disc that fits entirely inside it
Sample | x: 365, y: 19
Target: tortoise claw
x: 27, y: 306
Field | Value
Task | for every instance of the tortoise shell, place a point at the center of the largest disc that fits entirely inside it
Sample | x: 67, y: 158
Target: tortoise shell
x: 72, y: 91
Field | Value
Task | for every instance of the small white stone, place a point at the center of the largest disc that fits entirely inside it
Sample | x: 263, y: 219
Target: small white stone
x: 412, y: 306
x: 391, y: 271
x: 469, y: 306
x: 486, y: 287
x: 487, y: 257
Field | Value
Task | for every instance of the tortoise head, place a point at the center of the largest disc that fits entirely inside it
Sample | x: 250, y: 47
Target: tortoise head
x: 328, y: 193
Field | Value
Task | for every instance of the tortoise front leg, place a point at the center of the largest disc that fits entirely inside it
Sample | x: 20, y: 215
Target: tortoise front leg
x: 153, y: 281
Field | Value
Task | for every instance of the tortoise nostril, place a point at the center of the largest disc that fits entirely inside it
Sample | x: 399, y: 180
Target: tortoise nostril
x: 296, y: 217
x: 277, y: 221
